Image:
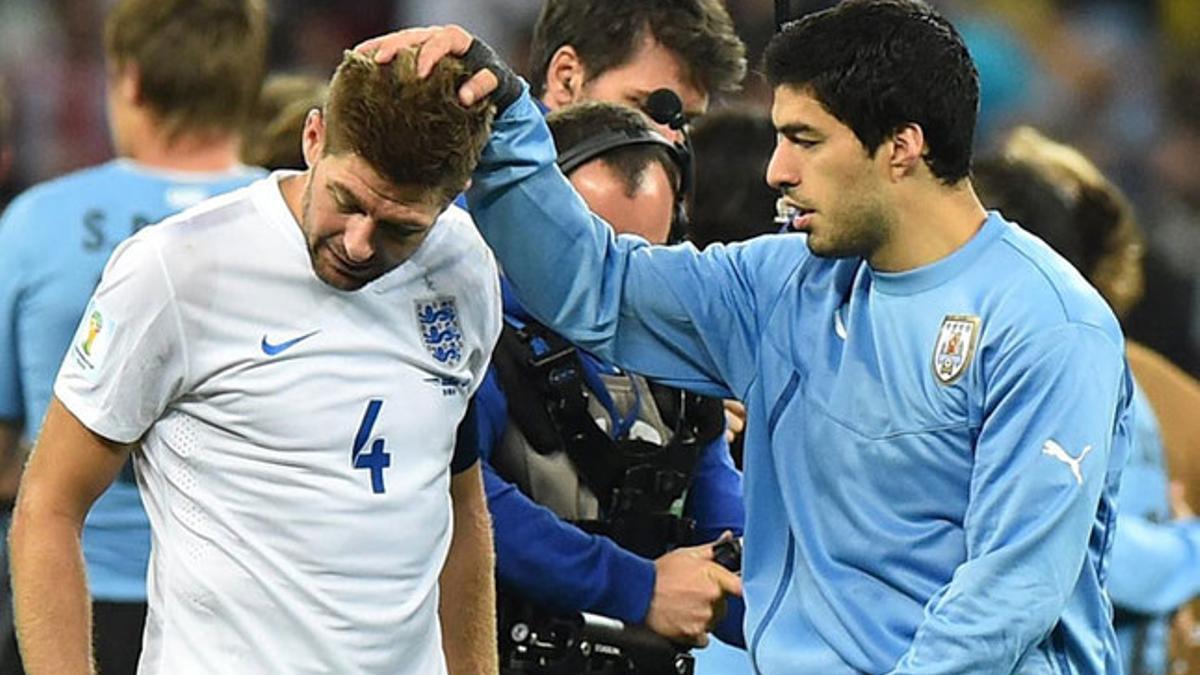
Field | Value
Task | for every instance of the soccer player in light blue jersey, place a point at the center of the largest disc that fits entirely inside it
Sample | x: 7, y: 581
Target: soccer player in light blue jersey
x: 939, y: 405
x: 182, y: 76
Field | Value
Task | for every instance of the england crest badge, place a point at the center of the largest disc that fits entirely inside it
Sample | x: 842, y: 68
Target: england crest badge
x: 955, y: 347
x: 441, y: 333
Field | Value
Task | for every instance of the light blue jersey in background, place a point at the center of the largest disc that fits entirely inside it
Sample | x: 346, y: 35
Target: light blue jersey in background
x: 1156, y: 557
x: 54, y: 242
x: 932, y: 456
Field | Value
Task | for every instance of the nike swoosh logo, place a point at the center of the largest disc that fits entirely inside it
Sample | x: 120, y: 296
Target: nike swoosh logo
x: 273, y: 349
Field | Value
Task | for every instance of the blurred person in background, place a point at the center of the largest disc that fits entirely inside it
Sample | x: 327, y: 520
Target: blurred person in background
x: 59, y: 96
x: 1169, y: 319
x: 182, y: 76
x: 731, y: 200
x: 272, y: 135
x: 586, y: 512
x: 1059, y: 195
x: 506, y: 25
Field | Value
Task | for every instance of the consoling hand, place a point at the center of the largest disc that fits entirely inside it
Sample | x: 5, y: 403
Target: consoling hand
x: 492, y: 76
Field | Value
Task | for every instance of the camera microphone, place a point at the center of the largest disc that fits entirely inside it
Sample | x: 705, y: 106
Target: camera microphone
x: 663, y: 106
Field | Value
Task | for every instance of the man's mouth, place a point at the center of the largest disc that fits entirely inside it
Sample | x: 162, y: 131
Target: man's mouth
x: 359, y: 271
x: 791, y: 216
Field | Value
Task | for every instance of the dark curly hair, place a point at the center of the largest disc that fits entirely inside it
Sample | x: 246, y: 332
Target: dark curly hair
x: 878, y: 65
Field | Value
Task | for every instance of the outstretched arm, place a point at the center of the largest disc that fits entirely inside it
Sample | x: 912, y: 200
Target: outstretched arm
x: 674, y: 314
x: 68, y: 470
x: 468, y: 591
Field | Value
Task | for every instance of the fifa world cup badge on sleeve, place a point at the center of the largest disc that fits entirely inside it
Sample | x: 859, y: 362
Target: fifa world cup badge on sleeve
x: 441, y: 332
x: 955, y: 347
x: 92, y: 339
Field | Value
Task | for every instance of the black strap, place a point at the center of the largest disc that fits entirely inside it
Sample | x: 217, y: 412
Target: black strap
x: 549, y: 403
x: 542, y: 378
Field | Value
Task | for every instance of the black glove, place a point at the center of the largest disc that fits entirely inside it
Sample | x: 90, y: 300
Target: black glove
x: 480, y: 56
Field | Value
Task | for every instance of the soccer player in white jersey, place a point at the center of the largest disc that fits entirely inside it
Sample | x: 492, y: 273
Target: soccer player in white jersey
x: 293, y: 358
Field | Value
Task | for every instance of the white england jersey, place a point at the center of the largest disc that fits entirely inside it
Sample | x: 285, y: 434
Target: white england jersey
x: 295, y: 439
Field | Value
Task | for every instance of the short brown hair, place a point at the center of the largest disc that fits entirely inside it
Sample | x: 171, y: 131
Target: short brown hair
x: 413, y: 131
x: 606, y: 34
x: 1055, y: 192
x: 276, y: 125
x: 574, y: 124
x: 200, y: 62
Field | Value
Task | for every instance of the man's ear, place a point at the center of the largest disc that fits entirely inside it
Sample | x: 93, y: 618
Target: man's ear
x: 906, y: 151
x: 126, y: 81
x: 564, y: 78
x: 313, y: 137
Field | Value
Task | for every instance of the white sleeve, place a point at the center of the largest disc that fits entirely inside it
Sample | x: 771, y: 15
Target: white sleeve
x: 127, y: 361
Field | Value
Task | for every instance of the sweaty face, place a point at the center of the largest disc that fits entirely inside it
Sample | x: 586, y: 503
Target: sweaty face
x: 835, y: 188
x: 651, y: 67
x: 647, y: 213
x: 359, y: 226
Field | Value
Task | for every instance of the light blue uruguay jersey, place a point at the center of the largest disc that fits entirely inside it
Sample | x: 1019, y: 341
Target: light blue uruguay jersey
x: 932, y: 456
x: 54, y: 241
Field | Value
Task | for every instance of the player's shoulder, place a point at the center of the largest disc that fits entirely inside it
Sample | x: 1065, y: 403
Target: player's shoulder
x: 1037, y: 290
x: 458, y: 247
x: 228, y: 210
x: 193, y: 240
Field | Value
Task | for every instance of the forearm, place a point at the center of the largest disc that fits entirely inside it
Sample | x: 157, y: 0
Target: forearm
x: 51, y: 601
x: 468, y: 596
x: 556, y: 564
x: 516, y: 182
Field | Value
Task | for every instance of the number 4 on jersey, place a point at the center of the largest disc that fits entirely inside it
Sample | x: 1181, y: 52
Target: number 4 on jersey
x: 376, y: 459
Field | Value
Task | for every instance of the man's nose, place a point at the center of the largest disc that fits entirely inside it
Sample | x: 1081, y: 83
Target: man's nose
x: 358, y: 239
x: 780, y: 172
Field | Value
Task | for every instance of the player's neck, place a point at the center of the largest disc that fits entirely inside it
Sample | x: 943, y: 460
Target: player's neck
x: 931, y: 222
x: 207, y: 152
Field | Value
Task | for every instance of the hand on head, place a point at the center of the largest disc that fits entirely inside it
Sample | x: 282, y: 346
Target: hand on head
x: 492, y: 78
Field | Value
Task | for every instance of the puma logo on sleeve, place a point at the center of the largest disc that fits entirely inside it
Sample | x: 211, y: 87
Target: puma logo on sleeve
x: 1057, y: 452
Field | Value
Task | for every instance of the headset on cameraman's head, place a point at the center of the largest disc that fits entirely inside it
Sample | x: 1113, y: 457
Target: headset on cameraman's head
x: 664, y: 107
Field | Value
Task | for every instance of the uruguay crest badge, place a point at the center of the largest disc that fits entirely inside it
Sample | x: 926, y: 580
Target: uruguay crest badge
x: 955, y: 347
x: 440, y: 331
